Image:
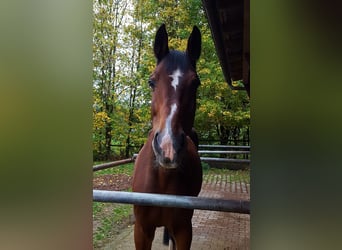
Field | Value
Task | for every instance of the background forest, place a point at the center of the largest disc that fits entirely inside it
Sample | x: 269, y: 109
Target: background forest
x: 123, y: 34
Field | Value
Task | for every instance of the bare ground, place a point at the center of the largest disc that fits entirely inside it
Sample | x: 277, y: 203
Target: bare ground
x: 116, y: 182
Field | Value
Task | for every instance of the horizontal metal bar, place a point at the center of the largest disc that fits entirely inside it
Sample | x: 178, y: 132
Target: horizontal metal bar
x: 111, y: 164
x: 212, y: 159
x: 225, y: 146
x: 163, y: 200
x: 223, y: 152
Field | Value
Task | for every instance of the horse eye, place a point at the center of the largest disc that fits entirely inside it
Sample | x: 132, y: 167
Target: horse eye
x: 151, y: 83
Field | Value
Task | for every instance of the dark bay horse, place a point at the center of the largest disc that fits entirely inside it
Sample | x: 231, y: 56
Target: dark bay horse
x: 169, y: 163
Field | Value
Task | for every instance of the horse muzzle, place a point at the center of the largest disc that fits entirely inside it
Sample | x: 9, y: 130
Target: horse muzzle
x: 168, y: 149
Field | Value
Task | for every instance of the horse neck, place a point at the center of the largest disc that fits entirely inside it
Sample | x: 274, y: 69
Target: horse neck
x: 188, y: 123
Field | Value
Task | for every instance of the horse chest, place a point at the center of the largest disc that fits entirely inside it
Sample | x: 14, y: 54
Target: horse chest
x: 171, y: 182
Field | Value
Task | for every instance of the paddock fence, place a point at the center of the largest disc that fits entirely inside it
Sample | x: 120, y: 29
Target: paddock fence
x: 225, y: 156
x: 189, y: 202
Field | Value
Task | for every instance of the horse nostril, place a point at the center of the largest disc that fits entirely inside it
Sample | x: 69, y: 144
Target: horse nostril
x: 156, y: 145
x: 156, y: 137
x: 167, y: 160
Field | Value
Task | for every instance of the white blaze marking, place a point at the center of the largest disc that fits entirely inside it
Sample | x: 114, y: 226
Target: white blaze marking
x: 175, y: 78
x: 169, y: 118
x: 168, y: 131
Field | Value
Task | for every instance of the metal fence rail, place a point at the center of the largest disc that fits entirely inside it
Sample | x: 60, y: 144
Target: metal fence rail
x: 224, y: 146
x: 224, y: 160
x: 112, y: 164
x: 189, y: 202
x: 205, y: 159
x: 230, y: 163
x: 223, y: 152
x: 163, y: 200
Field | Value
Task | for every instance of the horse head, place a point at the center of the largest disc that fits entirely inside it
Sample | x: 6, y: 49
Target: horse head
x: 174, y: 83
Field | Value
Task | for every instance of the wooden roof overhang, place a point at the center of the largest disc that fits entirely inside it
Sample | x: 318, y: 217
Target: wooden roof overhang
x: 229, y: 24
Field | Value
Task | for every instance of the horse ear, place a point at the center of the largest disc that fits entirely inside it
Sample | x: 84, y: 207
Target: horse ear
x: 161, y: 47
x: 194, y: 45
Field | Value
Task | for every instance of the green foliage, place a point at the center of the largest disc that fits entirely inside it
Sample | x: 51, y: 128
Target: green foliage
x: 123, y: 61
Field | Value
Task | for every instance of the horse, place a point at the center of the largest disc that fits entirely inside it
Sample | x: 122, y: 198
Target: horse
x: 169, y: 163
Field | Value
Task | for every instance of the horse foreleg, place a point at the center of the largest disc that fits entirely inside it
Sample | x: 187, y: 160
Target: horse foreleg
x: 183, y: 236
x: 143, y: 236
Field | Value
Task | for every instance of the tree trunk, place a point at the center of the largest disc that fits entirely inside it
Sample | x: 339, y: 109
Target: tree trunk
x: 108, y: 133
x: 224, y: 135
x: 108, y: 141
x: 136, y: 57
x: 236, y: 135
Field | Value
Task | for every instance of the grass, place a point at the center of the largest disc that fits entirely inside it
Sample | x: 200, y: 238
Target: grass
x: 111, y: 218
x: 123, y: 169
x: 234, y: 175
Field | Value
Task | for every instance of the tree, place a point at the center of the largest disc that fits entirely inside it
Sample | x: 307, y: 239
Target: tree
x: 123, y: 61
x: 108, y: 17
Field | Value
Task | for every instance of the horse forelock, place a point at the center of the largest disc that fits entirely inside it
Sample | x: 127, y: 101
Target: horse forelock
x: 177, y: 59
